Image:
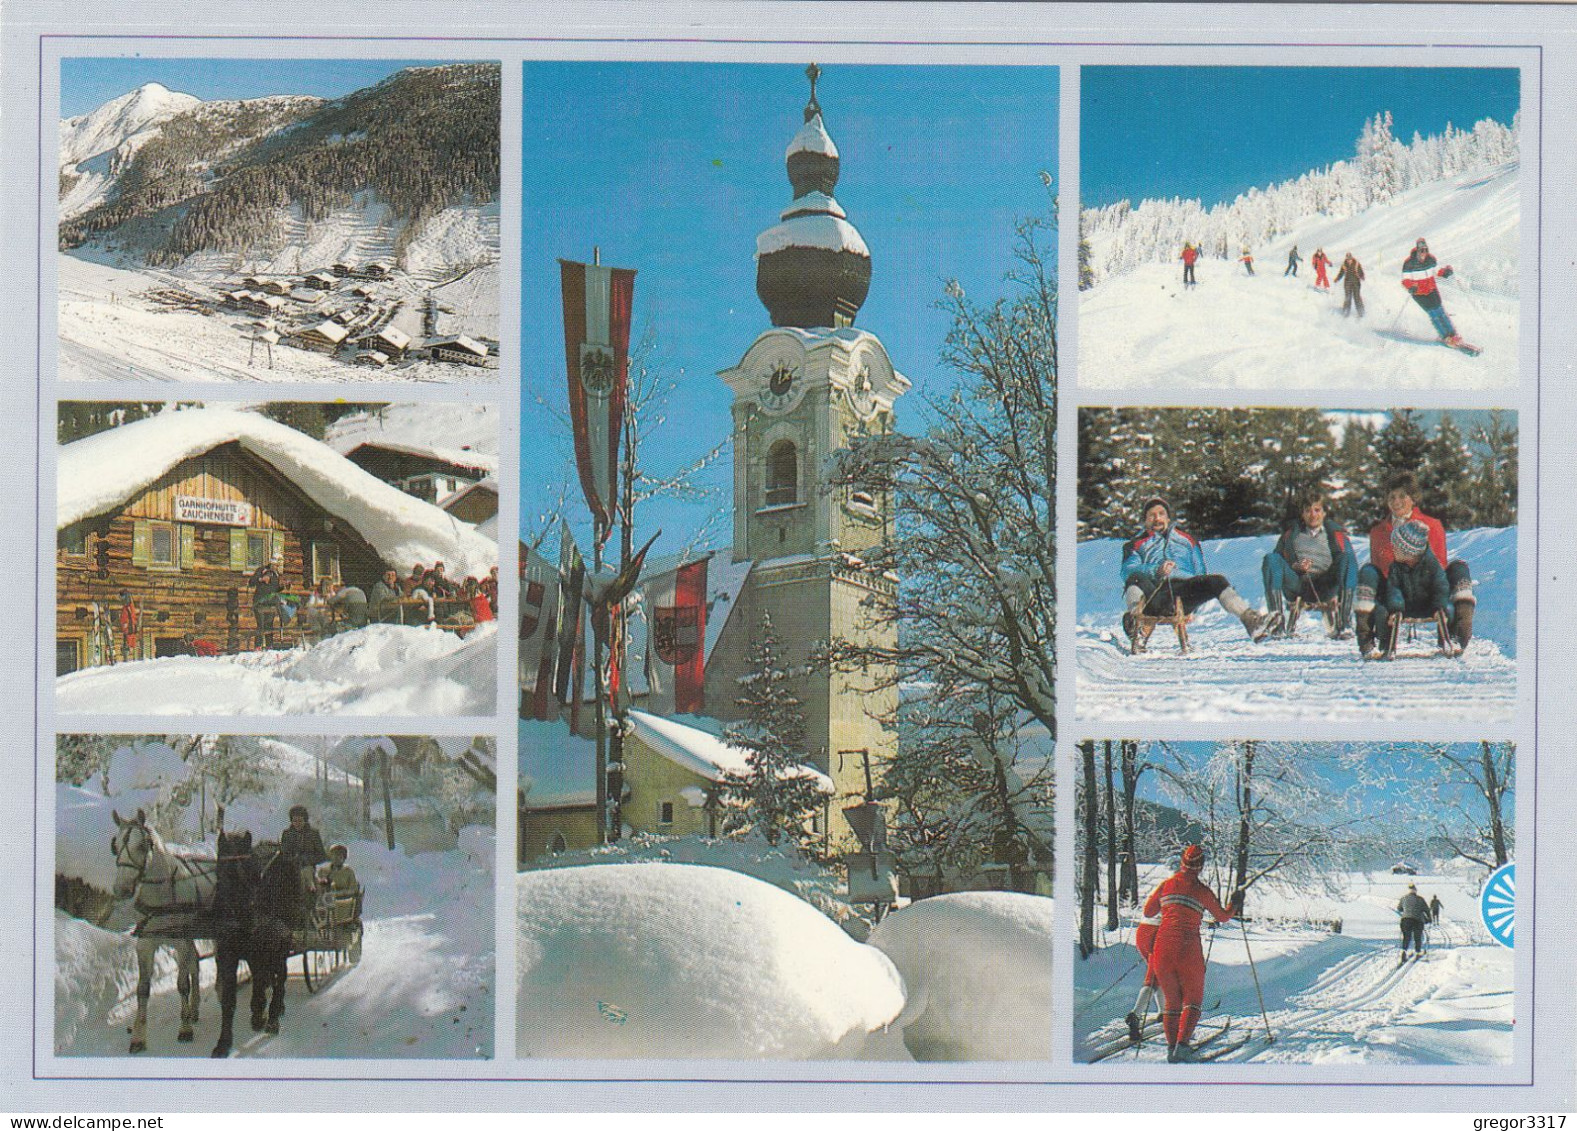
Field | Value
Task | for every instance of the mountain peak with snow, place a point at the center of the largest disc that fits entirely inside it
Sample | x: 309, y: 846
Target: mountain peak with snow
x: 118, y: 120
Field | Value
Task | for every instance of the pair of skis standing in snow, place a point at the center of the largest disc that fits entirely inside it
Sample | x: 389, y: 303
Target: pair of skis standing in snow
x: 1420, y: 273
x: 1408, y: 576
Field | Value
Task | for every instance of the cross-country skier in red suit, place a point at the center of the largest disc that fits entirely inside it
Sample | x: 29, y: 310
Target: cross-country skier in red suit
x: 1144, y: 942
x: 1178, y: 959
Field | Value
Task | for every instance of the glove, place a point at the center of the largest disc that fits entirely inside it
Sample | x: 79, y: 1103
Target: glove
x: 1445, y: 272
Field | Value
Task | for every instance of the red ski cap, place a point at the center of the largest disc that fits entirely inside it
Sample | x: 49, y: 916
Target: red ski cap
x: 1193, y: 857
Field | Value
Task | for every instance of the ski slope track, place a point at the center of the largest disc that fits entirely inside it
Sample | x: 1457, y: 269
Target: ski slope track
x: 1330, y: 998
x: 1304, y: 677
x: 1143, y: 329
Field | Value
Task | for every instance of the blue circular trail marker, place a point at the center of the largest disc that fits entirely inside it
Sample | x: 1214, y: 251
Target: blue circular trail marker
x: 1498, y: 903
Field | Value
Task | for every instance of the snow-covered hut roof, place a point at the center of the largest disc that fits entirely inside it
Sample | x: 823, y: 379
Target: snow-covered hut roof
x: 99, y: 473
x: 812, y: 138
x: 460, y: 341
x: 702, y: 753
x: 451, y: 500
x: 394, y: 336
x: 330, y: 330
x: 468, y: 432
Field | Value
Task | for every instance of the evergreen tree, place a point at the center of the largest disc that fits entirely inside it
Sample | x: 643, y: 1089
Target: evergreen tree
x: 1357, y: 476
x: 775, y: 794
x: 1494, y: 486
x: 1402, y: 444
x: 1447, y: 477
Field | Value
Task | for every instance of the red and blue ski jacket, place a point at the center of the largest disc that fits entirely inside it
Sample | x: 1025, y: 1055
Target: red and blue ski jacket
x: 1143, y: 556
x: 1418, y: 276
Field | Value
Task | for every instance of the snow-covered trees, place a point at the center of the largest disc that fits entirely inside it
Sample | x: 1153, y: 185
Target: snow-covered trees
x: 1237, y: 472
x: 1121, y: 236
x: 1469, y: 801
x: 775, y: 796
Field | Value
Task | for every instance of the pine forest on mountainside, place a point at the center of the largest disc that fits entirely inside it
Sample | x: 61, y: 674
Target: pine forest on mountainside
x: 423, y: 140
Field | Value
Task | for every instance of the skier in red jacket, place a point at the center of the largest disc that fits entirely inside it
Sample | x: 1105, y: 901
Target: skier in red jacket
x: 1322, y: 263
x: 1178, y: 959
x: 1189, y: 257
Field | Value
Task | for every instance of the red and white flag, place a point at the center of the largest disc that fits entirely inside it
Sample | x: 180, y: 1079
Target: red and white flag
x: 597, y: 306
x: 676, y: 641
x: 539, y: 630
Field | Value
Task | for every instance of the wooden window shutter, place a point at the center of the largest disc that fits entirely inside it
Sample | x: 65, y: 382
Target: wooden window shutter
x: 276, y: 541
x: 188, y: 545
x: 238, y: 548
x: 141, y: 543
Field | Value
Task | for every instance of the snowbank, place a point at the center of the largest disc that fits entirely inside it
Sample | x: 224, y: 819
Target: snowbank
x: 103, y: 471
x: 383, y: 669
x: 679, y: 961
x: 978, y: 969
x: 1303, y: 677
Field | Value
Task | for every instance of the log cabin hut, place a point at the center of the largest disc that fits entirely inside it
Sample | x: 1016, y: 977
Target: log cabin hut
x: 178, y: 512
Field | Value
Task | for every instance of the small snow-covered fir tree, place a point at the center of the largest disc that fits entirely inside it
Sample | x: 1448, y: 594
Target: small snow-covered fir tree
x: 775, y: 795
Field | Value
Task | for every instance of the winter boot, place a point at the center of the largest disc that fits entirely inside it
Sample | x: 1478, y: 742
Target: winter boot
x: 1463, y: 623
x: 1257, y: 624
x: 1344, y: 601
x: 1365, y: 637
x: 1131, y: 628
x: 1135, y: 1028
x: 1181, y: 1053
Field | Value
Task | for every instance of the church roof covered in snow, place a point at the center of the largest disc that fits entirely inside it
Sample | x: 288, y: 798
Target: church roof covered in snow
x: 103, y: 471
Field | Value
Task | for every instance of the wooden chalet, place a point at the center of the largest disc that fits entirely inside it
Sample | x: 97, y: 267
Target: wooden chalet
x: 426, y: 475
x: 340, y: 270
x: 184, y: 547
x: 372, y: 358
x: 319, y: 280
x: 467, y: 351
x: 390, y: 340
x: 325, y: 337
x: 475, y: 503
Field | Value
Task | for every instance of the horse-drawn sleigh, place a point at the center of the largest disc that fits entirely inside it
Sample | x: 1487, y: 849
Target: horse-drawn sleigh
x: 248, y: 900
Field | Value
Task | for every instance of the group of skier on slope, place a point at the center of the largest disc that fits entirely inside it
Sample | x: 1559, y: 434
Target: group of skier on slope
x: 1168, y: 941
x: 1313, y: 565
x: 1419, y: 275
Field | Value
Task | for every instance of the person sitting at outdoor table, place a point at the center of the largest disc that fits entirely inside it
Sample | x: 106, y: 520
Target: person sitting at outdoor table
x: 315, y: 617
x: 348, y: 604
x: 383, y: 601
x: 477, y: 604
x: 489, y: 586
x: 438, y: 585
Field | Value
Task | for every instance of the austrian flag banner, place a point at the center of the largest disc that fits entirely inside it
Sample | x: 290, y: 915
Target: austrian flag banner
x: 676, y: 640
x: 597, y: 305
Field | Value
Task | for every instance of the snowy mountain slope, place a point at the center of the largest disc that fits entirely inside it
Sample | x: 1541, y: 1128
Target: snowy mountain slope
x: 1227, y: 676
x: 1331, y: 999
x: 1269, y: 331
x: 111, y: 125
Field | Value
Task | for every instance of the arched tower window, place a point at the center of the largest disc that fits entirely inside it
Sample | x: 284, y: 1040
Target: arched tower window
x: 558, y: 844
x: 782, y: 474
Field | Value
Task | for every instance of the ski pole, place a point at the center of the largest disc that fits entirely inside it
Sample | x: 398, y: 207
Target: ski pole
x: 1269, y: 1036
x: 1120, y: 979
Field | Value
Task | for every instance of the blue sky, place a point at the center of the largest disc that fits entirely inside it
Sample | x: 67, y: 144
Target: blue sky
x: 673, y: 169
x: 1209, y: 133
x: 86, y: 84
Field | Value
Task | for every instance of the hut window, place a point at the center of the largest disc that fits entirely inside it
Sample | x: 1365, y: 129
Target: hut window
x: 257, y: 547
x: 75, y: 542
x: 665, y: 813
x: 782, y: 474
x: 161, y: 544
x: 325, y: 561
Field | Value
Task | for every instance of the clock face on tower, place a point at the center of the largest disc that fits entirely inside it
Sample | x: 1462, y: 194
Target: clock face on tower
x: 783, y: 388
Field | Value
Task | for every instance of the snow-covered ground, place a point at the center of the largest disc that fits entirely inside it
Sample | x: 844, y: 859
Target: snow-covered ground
x: 383, y: 669
x: 1330, y: 999
x: 1143, y: 329
x: 1226, y: 676
x: 424, y: 986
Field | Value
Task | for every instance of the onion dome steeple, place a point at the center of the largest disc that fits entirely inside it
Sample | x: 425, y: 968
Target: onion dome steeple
x: 813, y: 269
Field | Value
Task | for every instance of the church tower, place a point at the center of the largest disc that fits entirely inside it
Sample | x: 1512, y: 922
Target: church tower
x: 810, y: 385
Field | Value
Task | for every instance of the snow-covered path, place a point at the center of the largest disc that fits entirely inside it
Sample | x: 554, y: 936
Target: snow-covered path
x: 1270, y: 331
x: 1307, y: 676
x: 1331, y: 998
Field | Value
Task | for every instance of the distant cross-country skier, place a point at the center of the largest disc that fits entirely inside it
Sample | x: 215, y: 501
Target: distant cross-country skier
x: 1178, y: 959
x: 1351, y: 278
x: 1418, y: 276
x: 1293, y: 259
x: 1165, y: 565
x: 1415, y: 913
x: 1322, y: 263
x: 1313, y: 560
x: 1189, y: 257
x: 1434, y: 909
x: 1144, y: 942
x: 1247, y: 259
x: 1401, y: 494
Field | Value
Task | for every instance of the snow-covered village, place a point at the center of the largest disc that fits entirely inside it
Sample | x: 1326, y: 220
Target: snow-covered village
x: 1242, y: 564
x: 276, y: 559
x: 786, y: 721
x: 278, y: 235
x: 338, y: 891
x: 1241, y: 240
x: 1357, y: 903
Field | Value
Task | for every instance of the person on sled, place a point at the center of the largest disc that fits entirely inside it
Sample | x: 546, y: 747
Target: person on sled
x: 1177, y: 959
x: 1415, y: 586
x: 1165, y: 565
x: 1313, y: 561
x: 1401, y: 495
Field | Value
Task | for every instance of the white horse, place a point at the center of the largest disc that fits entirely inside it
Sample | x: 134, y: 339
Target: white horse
x: 172, y: 892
